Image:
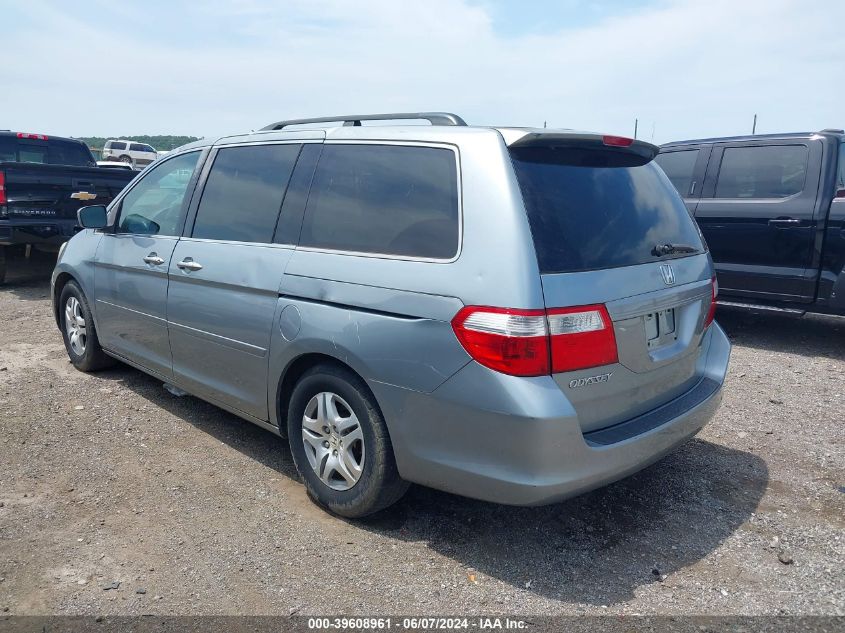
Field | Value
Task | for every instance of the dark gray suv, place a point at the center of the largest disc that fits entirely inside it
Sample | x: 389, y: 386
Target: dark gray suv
x: 516, y: 315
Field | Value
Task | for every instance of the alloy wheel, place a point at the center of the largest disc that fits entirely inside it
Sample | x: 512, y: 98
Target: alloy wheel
x: 333, y: 440
x: 75, y: 326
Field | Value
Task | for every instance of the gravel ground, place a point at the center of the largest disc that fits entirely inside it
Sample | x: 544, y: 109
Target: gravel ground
x: 117, y: 497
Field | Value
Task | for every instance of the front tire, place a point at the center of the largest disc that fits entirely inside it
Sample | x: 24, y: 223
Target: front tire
x: 340, y: 444
x: 78, y: 331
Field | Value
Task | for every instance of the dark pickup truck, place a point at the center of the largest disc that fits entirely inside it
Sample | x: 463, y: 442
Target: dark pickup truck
x: 772, y: 209
x: 43, y: 181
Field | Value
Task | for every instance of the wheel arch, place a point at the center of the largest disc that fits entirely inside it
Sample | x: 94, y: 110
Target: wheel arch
x: 62, y: 280
x: 295, y: 369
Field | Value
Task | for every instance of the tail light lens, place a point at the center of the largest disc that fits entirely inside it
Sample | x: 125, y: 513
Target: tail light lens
x: 714, y: 294
x: 537, y: 342
x: 2, y: 187
x: 510, y: 341
x: 617, y: 141
x: 581, y: 338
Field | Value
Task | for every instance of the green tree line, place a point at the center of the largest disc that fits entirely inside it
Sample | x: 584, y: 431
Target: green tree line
x: 162, y: 142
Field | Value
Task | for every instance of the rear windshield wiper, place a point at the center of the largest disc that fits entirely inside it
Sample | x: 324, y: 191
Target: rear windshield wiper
x: 671, y: 249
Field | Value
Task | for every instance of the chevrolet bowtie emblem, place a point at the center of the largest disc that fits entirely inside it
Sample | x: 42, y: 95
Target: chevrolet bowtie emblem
x: 83, y: 195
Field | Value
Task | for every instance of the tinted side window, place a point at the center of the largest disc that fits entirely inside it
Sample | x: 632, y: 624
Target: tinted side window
x: 137, y: 147
x: 154, y: 205
x: 116, y: 145
x: 765, y: 171
x: 679, y: 167
x: 384, y: 199
x: 243, y: 193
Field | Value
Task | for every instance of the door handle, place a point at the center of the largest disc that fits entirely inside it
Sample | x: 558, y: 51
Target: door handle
x: 154, y: 259
x: 189, y: 264
x: 785, y: 221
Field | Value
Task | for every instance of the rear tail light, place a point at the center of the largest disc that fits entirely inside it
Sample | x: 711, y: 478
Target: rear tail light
x: 2, y: 187
x: 581, y: 338
x: 40, y: 137
x: 714, y: 294
x: 510, y: 341
x: 537, y: 342
x: 617, y: 141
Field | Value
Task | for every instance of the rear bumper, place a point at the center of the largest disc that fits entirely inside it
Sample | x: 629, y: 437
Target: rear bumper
x: 517, y: 441
x: 36, y: 231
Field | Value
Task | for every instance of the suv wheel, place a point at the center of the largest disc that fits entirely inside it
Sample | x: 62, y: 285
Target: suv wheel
x: 126, y: 159
x: 80, y: 336
x: 340, y: 444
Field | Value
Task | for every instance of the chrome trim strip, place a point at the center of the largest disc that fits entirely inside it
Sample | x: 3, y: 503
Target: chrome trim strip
x: 253, y: 350
x: 144, y: 314
x: 757, y: 306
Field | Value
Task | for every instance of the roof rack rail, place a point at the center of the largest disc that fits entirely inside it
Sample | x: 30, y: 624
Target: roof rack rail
x: 832, y: 130
x: 435, y: 118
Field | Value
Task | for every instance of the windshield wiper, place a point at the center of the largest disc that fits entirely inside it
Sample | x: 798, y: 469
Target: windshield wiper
x: 671, y: 249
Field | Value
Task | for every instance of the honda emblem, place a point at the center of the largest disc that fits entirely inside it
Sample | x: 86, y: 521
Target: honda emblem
x: 668, y: 274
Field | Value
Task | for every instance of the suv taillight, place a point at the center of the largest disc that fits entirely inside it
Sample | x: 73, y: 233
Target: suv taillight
x: 537, y: 342
x: 581, y: 337
x: 714, y: 294
x: 2, y: 187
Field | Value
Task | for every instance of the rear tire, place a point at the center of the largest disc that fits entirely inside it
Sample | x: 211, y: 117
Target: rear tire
x: 340, y: 444
x: 78, y: 331
x: 127, y: 159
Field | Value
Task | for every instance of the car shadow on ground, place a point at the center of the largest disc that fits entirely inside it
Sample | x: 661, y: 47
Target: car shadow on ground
x: 595, y: 549
x: 28, y: 278
x: 811, y: 335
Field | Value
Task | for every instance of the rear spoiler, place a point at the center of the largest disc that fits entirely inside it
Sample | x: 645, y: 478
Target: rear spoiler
x: 636, y: 152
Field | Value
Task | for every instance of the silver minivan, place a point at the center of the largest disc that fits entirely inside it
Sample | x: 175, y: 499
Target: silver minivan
x: 511, y: 314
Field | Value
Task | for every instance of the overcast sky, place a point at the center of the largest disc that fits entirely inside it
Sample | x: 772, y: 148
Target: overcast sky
x: 684, y: 68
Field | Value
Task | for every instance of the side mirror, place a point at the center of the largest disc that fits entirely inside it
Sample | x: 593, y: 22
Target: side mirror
x: 93, y: 217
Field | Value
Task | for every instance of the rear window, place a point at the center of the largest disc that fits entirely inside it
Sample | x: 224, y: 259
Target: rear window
x: 679, y: 167
x: 115, y: 145
x: 587, y: 215
x: 243, y: 195
x: 50, y: 152
x: 384, y: 199
x: 763, y: 171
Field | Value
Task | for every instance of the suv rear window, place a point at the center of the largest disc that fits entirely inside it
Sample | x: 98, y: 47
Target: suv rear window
x: 50, y: 152
x: 384, y: 199
x: 115, y: 145
x: 679, y: 167
x: 587, y: 215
